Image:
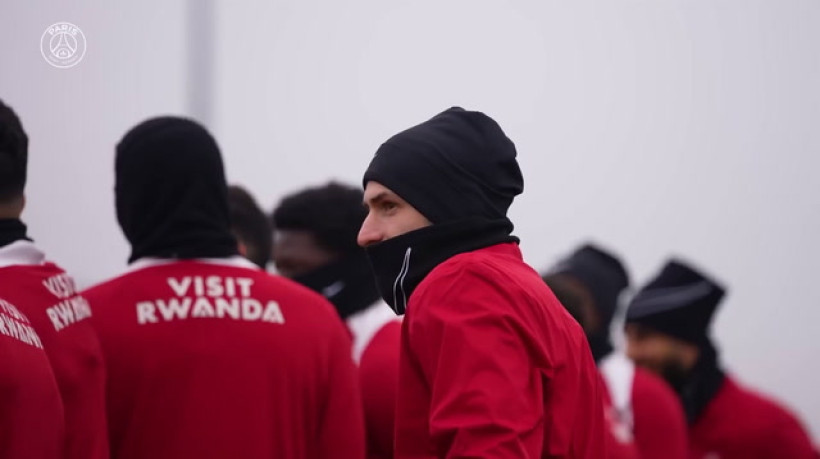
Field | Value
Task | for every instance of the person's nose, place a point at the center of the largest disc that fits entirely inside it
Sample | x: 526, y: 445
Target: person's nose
x: 369, y: 232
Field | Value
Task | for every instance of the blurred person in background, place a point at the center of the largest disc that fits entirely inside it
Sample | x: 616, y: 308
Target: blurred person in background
x: 41, y: 307
x: 491, y: 365
x: 645, y: 416
x: 315, y: 244
x: 250, y: 226
x: 667, y: 329
x: 207, y: 355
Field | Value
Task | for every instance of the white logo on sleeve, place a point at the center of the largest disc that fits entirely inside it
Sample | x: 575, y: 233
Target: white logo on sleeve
x: 209, y: 297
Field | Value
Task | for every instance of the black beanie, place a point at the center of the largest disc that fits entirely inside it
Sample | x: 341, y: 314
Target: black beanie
x: 679, y: 302
x: 171, y: 194
x: 457, y: 165
x: 601, y: 273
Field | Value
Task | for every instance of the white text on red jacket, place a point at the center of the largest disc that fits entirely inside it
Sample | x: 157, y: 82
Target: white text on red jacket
x: 209, y: 297
x: 72, y: 309
x: 16, y: 325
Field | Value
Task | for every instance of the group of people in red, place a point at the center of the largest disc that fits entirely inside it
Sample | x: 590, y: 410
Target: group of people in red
x: 403, y: 322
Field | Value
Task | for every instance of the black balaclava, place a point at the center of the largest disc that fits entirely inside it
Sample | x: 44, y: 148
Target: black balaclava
x: 171, y: 192
x: 605, y: 278
x: 459, y: 170
x: 347, y: 283
x: 680, y: 302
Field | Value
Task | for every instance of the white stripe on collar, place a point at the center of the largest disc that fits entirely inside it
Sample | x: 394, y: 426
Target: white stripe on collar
x: 22, y: 252
x: 234, y: 261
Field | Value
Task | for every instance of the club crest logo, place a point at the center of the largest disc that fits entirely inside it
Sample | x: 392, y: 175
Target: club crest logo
x: 63, y: 45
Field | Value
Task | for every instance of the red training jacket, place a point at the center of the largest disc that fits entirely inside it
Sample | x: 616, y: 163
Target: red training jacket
x: 31, y: 412
x: 376, y: 337
x: 660, y: 423
x: 645, y: 413
x: 48, y: 297
x: 739, y: 424
x: 216, y: 358
x: 493, y: 366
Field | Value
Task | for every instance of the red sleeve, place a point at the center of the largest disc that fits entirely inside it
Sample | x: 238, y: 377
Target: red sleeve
x: 379, y: 372
x: 789, y: 439
x: 342, y: 431
x: 660, y: 424
x: 486, y: 401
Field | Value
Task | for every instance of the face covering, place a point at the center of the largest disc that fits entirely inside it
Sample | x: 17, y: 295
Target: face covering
x: 347, y: 283
x: 11, y: 230
x: 402, y: 262
x: 698, y: 386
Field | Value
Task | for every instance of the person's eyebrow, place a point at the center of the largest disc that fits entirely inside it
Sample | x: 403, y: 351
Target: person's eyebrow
x: 375, y: 199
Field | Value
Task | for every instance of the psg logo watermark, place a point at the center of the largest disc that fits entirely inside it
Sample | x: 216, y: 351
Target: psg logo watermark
x: 63, y: 45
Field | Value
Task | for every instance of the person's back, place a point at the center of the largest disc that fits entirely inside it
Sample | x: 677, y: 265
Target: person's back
x: 741, y: 424
x: 378, y: 374
x: 208, y: 356
x: 31, y: 419
x: 219, y: 359
x: 48, y: 297
x: 494, y: 296
x: 34, y: 349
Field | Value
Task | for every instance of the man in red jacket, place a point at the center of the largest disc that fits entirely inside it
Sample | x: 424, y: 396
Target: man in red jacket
x: 315, y: 245
x: 207, y: 355
x: 48, y: 298
x: 645, y: 416
x: 667, y: 331
x: 491, y: 365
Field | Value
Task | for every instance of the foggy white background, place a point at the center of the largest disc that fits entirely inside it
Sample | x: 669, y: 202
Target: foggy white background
x: 656, y: 128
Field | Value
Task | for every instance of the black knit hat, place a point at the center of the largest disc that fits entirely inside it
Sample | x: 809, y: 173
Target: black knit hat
x: 457, y: 165
x: 679, y: 302
x: 601, y: 273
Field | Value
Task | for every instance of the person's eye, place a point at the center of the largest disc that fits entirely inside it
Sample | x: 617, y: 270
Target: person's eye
x: 388, y: 206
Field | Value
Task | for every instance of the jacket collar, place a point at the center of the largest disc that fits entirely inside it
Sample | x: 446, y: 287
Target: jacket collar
x: 402, y: 262
x: 149, y: 262
x: 21, y: 252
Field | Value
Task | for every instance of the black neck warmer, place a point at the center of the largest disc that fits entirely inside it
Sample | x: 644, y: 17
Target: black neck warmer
x: 171, y: 192
x: 347, y: 283
x: 11, y: 230
x: 402, y: 262
x: 700, y: 385
x: 600, y: 344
